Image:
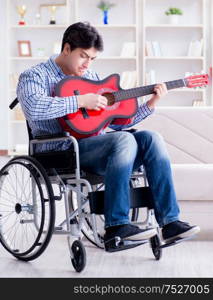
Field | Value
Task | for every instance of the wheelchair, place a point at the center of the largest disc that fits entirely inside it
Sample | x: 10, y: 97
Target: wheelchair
x: 32, y: 185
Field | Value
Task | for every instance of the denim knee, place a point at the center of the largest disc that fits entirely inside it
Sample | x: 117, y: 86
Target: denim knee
x: 151, y: 135
x: 153, y: 141
x: 124, y: 144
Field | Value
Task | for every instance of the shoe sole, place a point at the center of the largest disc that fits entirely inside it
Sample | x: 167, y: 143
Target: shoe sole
x: 186, y: 234
x: 123, y: 245
x: 144, y: 235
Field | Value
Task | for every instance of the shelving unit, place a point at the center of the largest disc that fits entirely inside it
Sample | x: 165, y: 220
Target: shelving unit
x: 174, y: 40
x: 37, y: 34
x: 134, y: 21
x: 119, y: 30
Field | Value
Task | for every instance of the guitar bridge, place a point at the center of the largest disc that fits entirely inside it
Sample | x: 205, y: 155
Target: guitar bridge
x: 83, y: 110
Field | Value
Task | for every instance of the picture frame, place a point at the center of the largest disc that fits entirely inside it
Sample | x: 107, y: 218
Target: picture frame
x: 24, y: 48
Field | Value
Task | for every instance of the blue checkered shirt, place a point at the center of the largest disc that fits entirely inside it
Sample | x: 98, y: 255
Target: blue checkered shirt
x: 34, y: 91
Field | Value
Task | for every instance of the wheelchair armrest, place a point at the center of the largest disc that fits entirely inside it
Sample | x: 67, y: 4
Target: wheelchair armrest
x: 132, y: 130
x: 55, y: 138
x: 52, y: 136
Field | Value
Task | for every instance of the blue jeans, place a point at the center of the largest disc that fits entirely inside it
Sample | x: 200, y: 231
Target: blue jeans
x: 115, y: 155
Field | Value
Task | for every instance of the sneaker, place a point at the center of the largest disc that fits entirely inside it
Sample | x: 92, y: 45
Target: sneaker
x: 178, y: 229
x: 129, y: 232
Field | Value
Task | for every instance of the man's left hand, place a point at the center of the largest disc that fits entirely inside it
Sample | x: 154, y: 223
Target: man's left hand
x: 160, y: 91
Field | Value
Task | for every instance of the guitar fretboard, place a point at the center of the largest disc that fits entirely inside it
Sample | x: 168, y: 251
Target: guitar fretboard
x: 145, y: 90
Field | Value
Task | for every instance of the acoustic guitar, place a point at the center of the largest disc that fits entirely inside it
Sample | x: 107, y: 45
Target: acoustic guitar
x: 122, y: 103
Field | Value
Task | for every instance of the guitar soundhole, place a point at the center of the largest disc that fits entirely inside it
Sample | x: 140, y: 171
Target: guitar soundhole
x: 110, y: 97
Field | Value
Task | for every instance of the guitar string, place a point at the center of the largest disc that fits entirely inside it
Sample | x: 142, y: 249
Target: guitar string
x: 145, y: 90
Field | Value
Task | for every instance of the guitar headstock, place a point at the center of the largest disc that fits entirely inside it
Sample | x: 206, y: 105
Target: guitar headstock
x: 197, y: 80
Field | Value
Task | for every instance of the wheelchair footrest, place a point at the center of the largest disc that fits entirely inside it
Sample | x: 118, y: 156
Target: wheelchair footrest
x: 175, y: 242
x: 118, y: 244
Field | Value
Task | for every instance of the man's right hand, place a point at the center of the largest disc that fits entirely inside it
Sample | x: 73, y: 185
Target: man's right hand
x: 92, y: 101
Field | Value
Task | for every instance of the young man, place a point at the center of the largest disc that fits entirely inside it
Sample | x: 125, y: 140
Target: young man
x: 113, y: 155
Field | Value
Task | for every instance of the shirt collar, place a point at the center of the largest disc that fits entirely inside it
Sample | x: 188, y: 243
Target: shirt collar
x: 57, y: 70
x: 54, y: 67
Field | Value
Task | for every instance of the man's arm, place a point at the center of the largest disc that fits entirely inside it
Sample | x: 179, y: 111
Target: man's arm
x: 144, y: 110
x: 33, y: 96
x: 38, y: 105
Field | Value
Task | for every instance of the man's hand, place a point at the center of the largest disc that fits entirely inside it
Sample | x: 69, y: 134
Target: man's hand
x: 92, y: 101
x: 160, y: 91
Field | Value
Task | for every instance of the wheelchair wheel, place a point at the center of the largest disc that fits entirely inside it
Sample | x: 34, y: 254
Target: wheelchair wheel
x: 88, y: 233
x: 27, y: 209
x: 79, y: 256
x: 155, y: 245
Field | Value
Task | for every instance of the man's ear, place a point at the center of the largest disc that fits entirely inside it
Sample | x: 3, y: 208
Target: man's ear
x: 67, y: 49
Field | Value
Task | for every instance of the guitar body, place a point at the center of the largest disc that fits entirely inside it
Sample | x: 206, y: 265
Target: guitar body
x: 95, y: 120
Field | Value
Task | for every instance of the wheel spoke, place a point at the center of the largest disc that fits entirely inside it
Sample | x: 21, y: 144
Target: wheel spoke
x: 26, y: 221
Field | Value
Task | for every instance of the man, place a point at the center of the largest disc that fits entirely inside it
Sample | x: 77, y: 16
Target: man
x: 113, y: 155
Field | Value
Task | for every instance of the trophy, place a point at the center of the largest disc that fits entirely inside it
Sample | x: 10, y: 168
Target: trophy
x: 52, y: 9
x: 21, y: 11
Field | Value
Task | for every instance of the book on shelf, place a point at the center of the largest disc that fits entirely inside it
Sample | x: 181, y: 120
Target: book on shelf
x: 128, y: 49
x: 148, y: 49
x: 195, y: 48
x: 150, y: 77
x: 153, y: 48
x: 128, y: 79
x: 157, y: 49
x: 197, y: 102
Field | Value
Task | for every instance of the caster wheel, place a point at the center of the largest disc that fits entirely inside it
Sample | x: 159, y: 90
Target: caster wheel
x: 79, y: 256
x: 155, y: 245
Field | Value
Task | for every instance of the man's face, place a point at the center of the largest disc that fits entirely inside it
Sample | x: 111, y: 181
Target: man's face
x: 79, y: 60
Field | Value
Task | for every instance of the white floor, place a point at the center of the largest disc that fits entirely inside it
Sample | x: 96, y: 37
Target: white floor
x: 188, y: 259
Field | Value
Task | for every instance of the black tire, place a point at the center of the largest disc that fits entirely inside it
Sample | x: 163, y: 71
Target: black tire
x: 79, y: 256
x: 88, y: 237
x: 155, y: 245
x: 28, y: 221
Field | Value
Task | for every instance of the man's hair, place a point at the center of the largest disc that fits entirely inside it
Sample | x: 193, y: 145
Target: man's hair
x: 82, y: 35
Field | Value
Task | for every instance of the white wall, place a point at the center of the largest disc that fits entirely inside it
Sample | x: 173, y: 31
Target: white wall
x: 3, y: 78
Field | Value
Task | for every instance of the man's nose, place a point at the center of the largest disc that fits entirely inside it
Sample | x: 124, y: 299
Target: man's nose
x: 87, y: 63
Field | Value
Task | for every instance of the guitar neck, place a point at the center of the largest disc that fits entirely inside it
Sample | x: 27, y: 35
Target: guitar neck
x: 145, y: 90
